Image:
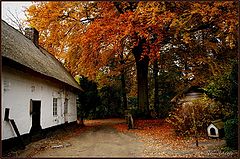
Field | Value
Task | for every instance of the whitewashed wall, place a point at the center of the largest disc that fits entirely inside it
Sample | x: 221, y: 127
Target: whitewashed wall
x: 17, y: 90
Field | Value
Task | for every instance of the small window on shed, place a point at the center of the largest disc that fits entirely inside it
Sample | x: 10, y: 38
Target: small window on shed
x: 54, y: 106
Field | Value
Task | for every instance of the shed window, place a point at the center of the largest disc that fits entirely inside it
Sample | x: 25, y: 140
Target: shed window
x: 54, y: 106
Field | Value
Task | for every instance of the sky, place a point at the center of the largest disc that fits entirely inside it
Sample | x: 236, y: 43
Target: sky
x: 16, y: 8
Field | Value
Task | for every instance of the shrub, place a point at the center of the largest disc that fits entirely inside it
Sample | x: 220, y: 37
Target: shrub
x: 110, y: 103
x: 198, y: 113
x: 231, y: 133
x: 132, y: 102
x: 87, y: 100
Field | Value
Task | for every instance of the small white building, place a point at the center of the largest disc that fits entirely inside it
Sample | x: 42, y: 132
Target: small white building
x: 37, y: 91
x: 216, y: 129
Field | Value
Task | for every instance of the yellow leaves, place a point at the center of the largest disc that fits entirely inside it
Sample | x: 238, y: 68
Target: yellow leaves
x: 31, y: 10
x: 186, y: 38
x: 230, y: 41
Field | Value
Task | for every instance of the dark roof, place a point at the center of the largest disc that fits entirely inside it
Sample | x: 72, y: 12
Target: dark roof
x: 15, y: 46
x: 190, y: 93
x: 179, y: 95
x: 218, y: 123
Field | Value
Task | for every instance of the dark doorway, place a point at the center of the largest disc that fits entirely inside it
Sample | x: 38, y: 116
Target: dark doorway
x: 212, y: 131
x: 36, y: 116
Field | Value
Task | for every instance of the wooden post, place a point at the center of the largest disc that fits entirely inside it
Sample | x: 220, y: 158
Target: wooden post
x: 129, y: 119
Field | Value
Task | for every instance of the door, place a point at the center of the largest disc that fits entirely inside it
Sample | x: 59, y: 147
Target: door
x: 36, y: 116
x: 66, y: 110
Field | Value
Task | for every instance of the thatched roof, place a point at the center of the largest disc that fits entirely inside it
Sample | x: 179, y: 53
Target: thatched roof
x: 190, y: 93
x: 180, y: 94
x: 15, y: 46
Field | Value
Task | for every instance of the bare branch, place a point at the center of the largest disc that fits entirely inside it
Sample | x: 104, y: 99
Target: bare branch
x: 16, y: 20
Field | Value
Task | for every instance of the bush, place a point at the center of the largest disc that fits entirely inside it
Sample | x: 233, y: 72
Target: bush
x: 201, y: 112
x: 132, y: 102
x: 231, y: 133
x: 134, y: 110
x: 87, y: 100
x: 110, y: 103
x: 224, y: 88
x: 139, y: 114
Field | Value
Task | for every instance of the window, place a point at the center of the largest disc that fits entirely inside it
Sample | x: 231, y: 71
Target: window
x: 54, y: 106
x: 6, y: 85
x: 66, y: 106
x: 78, y: 101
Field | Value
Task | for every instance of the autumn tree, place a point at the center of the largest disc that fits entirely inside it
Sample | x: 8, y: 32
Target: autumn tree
x: 92, y: 37
x: 95, y: 34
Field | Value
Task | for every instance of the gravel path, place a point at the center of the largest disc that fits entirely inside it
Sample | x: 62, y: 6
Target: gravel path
x: 101, y: 138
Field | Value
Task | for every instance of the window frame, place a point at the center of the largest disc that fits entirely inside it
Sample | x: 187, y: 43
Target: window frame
x: 55, y: 100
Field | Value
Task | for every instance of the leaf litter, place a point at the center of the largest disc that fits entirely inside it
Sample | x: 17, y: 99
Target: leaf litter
x: 161, y: 141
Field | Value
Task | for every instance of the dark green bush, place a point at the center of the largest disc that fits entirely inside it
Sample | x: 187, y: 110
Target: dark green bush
x: 89, y: 99
x: 138, y: 113
x: 110, y: 103
x: 231, y: 133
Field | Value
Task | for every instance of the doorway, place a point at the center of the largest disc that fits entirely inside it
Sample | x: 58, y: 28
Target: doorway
x: 212, y: 131
x: 36, y: 116
x: 66, y: 110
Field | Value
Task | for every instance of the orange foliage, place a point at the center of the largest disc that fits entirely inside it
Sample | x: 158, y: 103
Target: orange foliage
x: 91, y: 36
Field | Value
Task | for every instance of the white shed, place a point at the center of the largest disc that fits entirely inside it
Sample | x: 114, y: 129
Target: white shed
x: 215, y: 129
x: 37, y: 91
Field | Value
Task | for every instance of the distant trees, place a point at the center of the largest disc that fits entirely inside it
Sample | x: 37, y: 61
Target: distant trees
x: 88, y: 99
x: 96, y: 102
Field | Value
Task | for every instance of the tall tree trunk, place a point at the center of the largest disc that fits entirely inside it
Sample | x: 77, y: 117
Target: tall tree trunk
x: 124, y: 94
x: 156, y: 90
x: 123, y: 83
x: 142, y: 77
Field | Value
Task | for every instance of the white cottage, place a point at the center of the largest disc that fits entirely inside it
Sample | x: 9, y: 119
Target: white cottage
x: 37, y: 91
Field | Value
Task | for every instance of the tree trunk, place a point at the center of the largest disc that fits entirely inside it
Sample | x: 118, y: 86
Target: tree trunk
x: 156, y: 90
x: 124, y: 94
x: 123, y: 84
x: 142, y: 77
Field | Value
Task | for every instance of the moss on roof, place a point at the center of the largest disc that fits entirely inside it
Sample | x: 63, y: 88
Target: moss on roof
x: 218, y: 123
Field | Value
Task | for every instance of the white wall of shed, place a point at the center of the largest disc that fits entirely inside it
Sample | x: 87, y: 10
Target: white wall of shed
x: 216, y: 130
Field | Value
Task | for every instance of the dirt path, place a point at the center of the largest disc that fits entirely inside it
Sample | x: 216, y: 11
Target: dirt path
x: 99, y: 140
x: 111, y: 138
